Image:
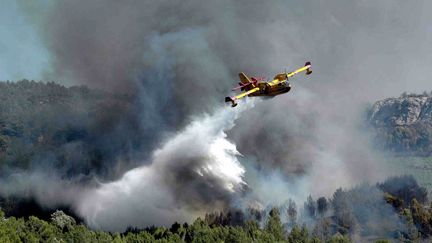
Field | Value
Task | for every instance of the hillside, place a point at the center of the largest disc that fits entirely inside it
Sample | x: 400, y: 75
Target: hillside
x: 70, y: 128
x: 80, y: 132
x: 403, y: 125
x: 395, y: 209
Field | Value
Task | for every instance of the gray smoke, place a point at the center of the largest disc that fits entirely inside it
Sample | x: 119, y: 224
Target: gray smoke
x: 195, y: 171
x: 179, y: 59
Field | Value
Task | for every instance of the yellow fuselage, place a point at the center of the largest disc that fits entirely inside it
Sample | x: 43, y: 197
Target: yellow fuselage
x: 271, y: 89
x: 278, y: 85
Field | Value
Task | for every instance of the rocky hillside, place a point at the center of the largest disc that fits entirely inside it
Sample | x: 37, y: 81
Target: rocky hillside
x: 403, y: 125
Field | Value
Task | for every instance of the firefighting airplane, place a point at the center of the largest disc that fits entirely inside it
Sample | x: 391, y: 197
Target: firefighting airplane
x: 258, y: 87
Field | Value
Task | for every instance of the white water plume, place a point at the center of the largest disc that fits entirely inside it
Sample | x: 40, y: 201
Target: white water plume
x: 195, y: 170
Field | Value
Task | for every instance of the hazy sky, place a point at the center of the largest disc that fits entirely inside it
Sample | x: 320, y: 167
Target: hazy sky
x: 182, y: 58
x: 22, y: 52
x: 389, y: 43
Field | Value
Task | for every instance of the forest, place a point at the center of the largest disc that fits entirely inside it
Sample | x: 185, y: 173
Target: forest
x: 395, y: 209
x: 63, y: 228
x: 74, y: 129
x: 80, y: 132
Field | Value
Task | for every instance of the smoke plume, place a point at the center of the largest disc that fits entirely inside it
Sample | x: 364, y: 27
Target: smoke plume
x: 179, y: 59
x: 193, y: 172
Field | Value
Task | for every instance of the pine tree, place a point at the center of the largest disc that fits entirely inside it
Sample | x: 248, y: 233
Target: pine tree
x: 322, y: 206
x: 274, y: 225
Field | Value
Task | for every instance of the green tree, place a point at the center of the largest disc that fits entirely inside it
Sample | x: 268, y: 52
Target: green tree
x: 178, y: 229
x: 338, y: 238
x: 12, y: 230
x: 421, y: 218
x: 141, y: 237
x: 298, y: 235
x: 237, y: 235
x: 322, y: 229
x: 412, y: 231
x: 199, y: 231
x: 292, y: 212
x: 322, y: 206
x: 117, y: 238
x: 80, y: 233
x: 252, y: 229
x: 310, y: 207
x: 274, y: 225
x: 62, y: 220
x: 343, y: 211
x: 40, y: 230
x: 103, y: 237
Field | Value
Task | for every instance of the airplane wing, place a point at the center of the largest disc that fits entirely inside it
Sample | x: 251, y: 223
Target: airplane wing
x: 237, y: 97
x: 306, y: 68
x: 280, y: 78
x: 285, y: 77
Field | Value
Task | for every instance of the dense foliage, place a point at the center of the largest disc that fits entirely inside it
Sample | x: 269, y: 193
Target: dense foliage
x: 62, y: 228
x: 72, y: 129
x: 75, y: 133
x: 414, y: 139
x: 76, y: 129
x: 395, y: 209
